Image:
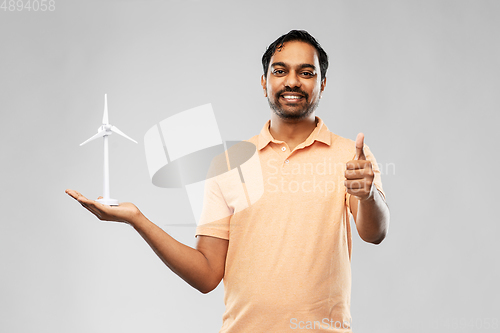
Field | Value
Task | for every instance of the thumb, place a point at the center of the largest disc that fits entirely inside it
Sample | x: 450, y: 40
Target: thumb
x: 360, y: 153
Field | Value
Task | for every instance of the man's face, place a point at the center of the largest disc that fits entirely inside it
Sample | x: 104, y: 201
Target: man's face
x: 293, y: 84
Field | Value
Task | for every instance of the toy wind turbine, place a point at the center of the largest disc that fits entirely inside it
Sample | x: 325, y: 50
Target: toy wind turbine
x: 104, y: 131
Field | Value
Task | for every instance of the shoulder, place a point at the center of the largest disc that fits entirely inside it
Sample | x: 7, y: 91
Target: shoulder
x: 340, y: 141
x: 342, y: 146
x: 254, y: 139
x: 347, y: 146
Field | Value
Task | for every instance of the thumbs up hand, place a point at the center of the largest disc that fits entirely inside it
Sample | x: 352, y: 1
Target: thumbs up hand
x: 359, y: 173
x: 360, y: 153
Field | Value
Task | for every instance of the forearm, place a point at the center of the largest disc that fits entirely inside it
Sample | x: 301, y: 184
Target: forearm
x: 188, y: 263
x: 372, y: 219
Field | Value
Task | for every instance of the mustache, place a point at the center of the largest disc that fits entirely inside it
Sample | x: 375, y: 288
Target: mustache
x: 293, y: 90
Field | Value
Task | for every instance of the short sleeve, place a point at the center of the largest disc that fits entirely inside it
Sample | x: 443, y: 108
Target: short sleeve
x: 216, y: 214
x: 229, y: 191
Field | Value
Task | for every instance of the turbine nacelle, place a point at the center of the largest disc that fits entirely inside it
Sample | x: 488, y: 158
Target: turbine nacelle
x: 106, y: 128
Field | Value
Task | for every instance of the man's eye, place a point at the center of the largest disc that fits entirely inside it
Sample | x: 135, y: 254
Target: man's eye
x: 278, y: 72
x: 307, y: 74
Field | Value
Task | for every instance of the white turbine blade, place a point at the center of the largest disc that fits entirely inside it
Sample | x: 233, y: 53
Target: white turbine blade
x: 105, y: 119
x: 98, y: 135
x: 117, y: 131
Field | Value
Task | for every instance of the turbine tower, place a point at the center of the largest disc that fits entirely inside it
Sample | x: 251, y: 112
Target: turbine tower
x: 105, y: 130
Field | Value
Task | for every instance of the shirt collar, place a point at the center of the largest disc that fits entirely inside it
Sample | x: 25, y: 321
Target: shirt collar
x: 320, y: 133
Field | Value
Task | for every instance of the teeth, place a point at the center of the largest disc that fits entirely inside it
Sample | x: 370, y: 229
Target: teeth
x: 291, y: 97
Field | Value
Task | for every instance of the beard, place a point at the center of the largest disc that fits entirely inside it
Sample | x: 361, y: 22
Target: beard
x: 299, y: 113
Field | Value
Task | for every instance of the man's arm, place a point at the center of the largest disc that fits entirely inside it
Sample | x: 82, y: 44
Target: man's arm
x: 371, y: 216
x: 202, y: 268
x: 368, y: 206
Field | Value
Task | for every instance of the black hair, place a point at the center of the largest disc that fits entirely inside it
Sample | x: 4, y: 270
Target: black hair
x: 296, y: 35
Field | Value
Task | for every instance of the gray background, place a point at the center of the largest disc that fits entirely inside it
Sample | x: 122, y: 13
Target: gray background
x: 420, y: 78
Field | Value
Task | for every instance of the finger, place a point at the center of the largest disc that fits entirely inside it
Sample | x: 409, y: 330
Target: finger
x: 100, y: 197
x: 360, y: 153
x: 354, y: 165
x: 82, y: 199
x: 354, y: 174
x: 92, y: 206
x: 365, y: 172
x: 92, y: 209
x: 354, y: 184
x: 360, y: 194
x: 77, y: 196
x: 97, y: 208
x: 72, y: 193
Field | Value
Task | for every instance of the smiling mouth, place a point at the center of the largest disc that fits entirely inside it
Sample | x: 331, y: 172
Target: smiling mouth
x: 293, y: 98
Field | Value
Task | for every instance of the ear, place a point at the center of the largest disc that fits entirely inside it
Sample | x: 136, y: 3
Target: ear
x: 264, y: 85
x: 323, y: 85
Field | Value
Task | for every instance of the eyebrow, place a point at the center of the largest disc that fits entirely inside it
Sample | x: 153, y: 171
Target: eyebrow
x: 301, y: 66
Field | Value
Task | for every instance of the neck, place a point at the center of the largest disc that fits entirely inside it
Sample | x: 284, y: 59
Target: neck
x: 293, y: 132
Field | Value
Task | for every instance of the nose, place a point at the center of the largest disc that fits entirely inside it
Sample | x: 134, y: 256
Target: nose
x: 292, y: 80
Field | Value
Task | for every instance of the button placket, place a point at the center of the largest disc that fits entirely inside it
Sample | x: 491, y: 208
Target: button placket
x: 284, y: 150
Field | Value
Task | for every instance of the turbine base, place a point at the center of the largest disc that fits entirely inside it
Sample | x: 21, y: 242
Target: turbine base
x: 108, y: 201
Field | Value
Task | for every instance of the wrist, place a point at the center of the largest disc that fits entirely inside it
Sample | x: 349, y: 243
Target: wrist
x: 135, y: 218
x: 371, y: 196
